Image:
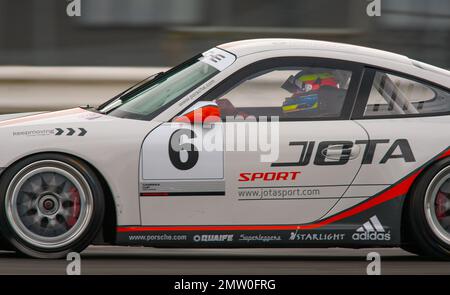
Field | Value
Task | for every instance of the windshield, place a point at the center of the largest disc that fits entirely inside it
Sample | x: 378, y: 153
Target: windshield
x: 150, y: 99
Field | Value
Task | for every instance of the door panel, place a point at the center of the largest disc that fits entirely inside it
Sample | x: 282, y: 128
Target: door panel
x: 318, y: 156
x: 283, y: 191
x: 320, y: 180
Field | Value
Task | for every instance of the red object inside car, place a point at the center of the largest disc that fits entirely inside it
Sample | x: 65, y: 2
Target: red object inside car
x: 208, y: 113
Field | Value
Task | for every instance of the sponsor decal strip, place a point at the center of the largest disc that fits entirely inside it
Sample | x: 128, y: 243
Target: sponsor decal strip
x: 397, y: 190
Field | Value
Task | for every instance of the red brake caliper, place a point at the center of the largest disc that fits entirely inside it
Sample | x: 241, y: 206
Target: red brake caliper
x: 75, y: 197
x: 441, y: 198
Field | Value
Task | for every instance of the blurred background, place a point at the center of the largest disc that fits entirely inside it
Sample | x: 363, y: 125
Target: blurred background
x: 113, y: 43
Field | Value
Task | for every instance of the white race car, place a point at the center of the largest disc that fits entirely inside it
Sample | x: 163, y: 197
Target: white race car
x: 257, y: 143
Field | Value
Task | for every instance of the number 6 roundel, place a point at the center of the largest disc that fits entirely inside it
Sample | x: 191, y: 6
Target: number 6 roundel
x: 173, y: 151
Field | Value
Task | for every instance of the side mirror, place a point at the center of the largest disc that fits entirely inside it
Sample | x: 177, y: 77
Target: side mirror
x: 200, y: 113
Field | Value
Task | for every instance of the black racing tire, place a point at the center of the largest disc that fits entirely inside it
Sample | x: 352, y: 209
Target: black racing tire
x: 425, y: 235
x: 48, y: 220
x: 5, y: 246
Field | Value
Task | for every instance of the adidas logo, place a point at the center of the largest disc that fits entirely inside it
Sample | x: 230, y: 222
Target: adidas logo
x: 372, y: 230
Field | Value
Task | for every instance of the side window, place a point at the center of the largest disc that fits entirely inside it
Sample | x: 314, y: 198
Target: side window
x: 287, y: 92
x: 394, y: 95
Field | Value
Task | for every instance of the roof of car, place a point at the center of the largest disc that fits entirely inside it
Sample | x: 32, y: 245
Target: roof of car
x: 245, y: 47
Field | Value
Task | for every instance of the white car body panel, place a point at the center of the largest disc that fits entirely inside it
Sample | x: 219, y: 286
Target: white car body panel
x: 232, y: 209
x: 427, y: 137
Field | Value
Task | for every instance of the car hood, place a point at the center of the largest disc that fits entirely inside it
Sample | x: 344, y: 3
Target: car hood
x: 49, y: 118
x: 18, y: 115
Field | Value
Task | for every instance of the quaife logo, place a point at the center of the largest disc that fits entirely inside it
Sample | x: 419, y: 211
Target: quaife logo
x: 213, y: 238
x: 372, y: 230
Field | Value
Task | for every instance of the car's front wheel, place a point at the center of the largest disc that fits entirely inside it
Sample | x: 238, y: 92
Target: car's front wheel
x: 50, y: 205
x: 429, y: 212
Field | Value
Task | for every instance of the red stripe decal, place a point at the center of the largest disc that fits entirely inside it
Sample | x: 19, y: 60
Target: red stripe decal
x: 444, y: 154
x: 397, y: 190
x: 206, y: 227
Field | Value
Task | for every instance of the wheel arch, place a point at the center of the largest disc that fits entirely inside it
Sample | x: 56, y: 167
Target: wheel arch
x: 406, y: 238
x: 109, y: 224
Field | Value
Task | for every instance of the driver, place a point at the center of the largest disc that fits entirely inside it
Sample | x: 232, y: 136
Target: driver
x: 305, y: 88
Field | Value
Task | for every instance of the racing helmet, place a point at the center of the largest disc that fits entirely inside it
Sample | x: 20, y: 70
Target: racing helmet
x: 305, y: 88
x: 308, y: 81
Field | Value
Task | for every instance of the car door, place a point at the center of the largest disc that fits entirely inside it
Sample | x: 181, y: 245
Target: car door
x: 288, y: 161
x: 297, y: 175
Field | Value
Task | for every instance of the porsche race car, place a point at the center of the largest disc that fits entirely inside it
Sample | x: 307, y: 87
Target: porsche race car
x: 256, y: 143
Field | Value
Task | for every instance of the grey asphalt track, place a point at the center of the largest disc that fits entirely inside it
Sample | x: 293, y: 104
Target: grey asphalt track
x: 128, y: 260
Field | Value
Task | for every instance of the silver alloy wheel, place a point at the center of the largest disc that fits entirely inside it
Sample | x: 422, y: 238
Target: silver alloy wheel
x: 437, y: 205
x: 49, y: 204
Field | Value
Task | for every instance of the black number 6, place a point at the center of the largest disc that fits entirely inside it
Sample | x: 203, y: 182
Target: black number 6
x: 175, y: 148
